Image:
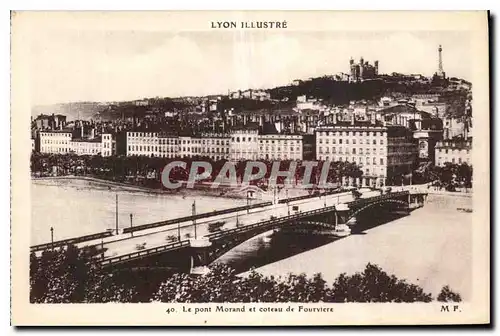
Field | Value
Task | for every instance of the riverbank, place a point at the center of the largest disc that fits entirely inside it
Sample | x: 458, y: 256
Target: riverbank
x: 80, y: 206
x: 120, y: 186
x: 201, y: 189
x: 431, y: 248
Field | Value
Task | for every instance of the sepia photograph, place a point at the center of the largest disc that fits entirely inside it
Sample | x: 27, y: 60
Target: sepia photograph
x: 250, y: 168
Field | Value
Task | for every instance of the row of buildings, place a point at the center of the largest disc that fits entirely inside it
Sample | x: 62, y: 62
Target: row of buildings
x: 385, y: 146
x: 64, y: 142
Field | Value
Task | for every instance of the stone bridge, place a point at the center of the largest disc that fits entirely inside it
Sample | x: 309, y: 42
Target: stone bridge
x: 331, y: 220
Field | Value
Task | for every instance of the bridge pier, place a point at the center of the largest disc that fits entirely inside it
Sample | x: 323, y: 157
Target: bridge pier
x: 416, y: 201
x: 341, y: 220
x: 199, y: 255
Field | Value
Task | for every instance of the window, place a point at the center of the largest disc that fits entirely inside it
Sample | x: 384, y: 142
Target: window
x: 381, y: 161
x: 354, y: 151
x: 374, y: 141
x: 340, y: 141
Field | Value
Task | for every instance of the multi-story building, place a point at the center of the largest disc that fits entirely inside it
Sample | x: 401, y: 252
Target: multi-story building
x: 55, y: 142
x: 142, y: 143
x: 63, y: 142
x: 86, y: 146
x: 108, y: 145
x: 168, y: 145
x: 215, y: 145
x: 280, y: 147
x: 244, y: 143
x: 457, y: 150
x: 383, y: 153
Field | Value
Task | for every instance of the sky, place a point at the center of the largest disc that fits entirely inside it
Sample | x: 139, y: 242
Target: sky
x: 112, y: 65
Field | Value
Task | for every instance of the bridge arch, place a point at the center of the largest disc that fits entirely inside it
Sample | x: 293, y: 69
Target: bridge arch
x: 384, y: 202
x: 222, y: 247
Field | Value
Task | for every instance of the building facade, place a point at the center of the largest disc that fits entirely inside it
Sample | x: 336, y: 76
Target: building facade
x: 280, y: 147
x: 55, y: 142
x: 244, y: 143
x: 381, y: 152
x: 362, y: 70
x: 86, y: 146
x: 215, y: 146
x: 108, y: 145
x: 142, y: 143
x: 63, y: 142
x: 456, y: 151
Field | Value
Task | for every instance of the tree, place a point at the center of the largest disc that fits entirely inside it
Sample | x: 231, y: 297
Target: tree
x: 375, y: 285
x: 72, y: 275
x: 447, y: 295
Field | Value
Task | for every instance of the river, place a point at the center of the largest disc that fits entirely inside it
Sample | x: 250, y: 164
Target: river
x: 75, y: 207
x: 431, y: 248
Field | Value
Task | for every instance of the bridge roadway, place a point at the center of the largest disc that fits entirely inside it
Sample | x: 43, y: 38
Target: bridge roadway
x: 126, y: 244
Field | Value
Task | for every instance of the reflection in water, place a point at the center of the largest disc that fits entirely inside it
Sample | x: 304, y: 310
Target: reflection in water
x: 260, y: 251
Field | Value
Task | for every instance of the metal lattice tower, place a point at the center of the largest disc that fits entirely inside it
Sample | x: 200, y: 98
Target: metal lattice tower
x: 440, y: 61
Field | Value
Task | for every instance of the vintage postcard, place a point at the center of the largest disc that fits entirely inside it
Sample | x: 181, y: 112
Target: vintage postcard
x: 250, y: 168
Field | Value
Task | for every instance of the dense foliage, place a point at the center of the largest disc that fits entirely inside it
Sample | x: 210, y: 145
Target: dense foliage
x: 147, y: 170
x: 448, y: 177
x: 71, y: 275
x: 447, y: 295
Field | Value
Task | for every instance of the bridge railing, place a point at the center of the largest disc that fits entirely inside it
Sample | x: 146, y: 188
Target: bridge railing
x: 195, y: 217
x: 303, y: 197
x: 271, y: 222
x: 216, y: 235
x: 69, y: 241
x: 153, y: 250
x: 246, y: 228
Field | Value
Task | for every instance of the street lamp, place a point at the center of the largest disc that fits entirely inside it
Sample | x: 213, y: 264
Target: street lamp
x: 194, y: 219
x: 52, y: 237
x: 116, y: 213
x: 248, y: 209
x: 131, y: 232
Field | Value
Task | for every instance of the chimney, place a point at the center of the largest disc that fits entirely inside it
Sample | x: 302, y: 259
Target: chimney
x: 372, y: 117
x: 81, y: 130
x: 335, y: 118
x: 352, y: 119
x: 92, y: 133
x: 261, y: 120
